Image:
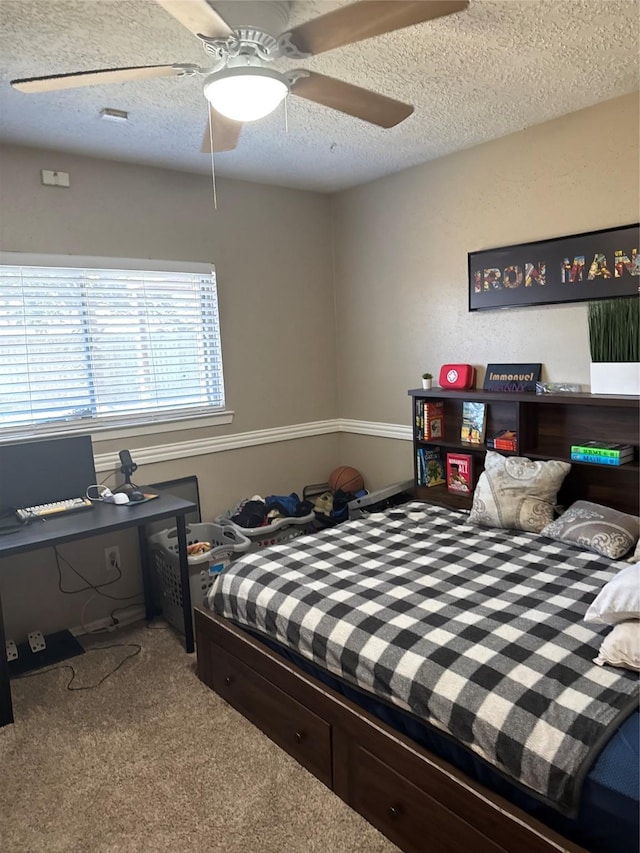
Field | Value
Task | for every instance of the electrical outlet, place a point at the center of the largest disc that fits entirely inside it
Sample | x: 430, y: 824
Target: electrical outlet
x: 112, y: 559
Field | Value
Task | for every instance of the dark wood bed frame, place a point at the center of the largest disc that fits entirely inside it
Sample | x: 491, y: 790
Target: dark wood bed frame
x: 417, y: 800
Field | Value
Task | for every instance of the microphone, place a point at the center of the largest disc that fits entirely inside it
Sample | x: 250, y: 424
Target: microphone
x: 127, y: 463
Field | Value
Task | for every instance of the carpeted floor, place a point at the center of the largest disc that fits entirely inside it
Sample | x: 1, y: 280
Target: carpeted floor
x: 151, y: 760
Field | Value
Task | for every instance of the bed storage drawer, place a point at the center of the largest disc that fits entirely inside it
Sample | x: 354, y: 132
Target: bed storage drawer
x: 408, y: 816
x: 303, y: 734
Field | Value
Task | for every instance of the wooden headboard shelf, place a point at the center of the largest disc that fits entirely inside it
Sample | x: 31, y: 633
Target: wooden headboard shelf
x: 547, y: 425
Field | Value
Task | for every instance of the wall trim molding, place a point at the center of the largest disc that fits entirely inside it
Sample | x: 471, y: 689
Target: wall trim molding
x: 401, y: 432
x: 237, y: 441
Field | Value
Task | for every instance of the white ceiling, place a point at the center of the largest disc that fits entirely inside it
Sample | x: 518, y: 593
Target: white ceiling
x: 497, y: 68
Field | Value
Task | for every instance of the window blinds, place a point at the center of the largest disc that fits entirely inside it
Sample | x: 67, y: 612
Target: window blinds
x: 106, y: 346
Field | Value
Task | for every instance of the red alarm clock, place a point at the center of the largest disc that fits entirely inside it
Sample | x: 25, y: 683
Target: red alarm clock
x: 458, y: 376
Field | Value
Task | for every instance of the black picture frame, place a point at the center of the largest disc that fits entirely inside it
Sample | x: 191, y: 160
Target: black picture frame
x: 576, y: 268
x: 512, y: 377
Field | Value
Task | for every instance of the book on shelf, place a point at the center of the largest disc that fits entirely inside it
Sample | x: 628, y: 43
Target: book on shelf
x: 600, y: 460
x: 506, y: 439
x: 460, y: 473
x: 474, y: 422
x: 433, y: 416
x: 604, y: 448
x: 419, y: 419
x: 430, y: 467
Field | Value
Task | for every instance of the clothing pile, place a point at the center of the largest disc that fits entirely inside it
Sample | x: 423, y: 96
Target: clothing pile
x: 258, y: 511
x: 331, y: 507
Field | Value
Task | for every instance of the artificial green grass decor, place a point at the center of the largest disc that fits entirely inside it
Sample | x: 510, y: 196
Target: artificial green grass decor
x: 614, y: 330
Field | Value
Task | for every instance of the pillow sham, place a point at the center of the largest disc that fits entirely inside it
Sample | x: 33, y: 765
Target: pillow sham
x: 598, y: 528
x: 621, y: 647
x: 635, y: 557
x: 618, y: 600
x: 517, y: 493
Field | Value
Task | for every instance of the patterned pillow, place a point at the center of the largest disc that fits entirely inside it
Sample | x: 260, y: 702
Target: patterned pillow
x: 598, y: 528
x: 514, y: 492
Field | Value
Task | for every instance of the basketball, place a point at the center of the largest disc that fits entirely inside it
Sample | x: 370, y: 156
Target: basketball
x: 345, y: 479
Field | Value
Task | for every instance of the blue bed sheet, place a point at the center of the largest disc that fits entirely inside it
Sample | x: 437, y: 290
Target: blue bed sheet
x: 609, y: 816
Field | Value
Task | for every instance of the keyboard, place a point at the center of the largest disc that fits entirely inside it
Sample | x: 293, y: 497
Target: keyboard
x: 55, y: 508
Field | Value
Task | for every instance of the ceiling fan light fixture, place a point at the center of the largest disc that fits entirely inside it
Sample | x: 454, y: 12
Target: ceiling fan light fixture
x: 245, y: 94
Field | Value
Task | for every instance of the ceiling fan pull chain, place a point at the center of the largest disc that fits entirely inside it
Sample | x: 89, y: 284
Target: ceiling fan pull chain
x: 213, y: 171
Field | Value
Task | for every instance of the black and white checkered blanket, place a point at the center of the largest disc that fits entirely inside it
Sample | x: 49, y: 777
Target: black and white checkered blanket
x: 478, y: 631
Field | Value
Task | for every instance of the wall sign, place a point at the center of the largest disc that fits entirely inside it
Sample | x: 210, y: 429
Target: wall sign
x: 511, y: 377
x: 594, y: 265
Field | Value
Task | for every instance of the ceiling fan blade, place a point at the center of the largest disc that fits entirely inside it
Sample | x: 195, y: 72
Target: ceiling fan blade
x: 224, y: 131
x: 346, y: 98
x: 94, y: 78
x: 366, y: 19
x: 197, y: 16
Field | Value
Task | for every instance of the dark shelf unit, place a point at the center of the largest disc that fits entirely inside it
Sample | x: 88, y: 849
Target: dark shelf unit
x: 546, y: 425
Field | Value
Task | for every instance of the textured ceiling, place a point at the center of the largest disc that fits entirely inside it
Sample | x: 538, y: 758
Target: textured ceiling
x: 498, y: 67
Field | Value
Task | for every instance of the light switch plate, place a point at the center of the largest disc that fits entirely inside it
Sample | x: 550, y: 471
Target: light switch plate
x: 54, y: 179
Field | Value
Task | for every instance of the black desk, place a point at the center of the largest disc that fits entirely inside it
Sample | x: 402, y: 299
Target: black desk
x: 103, y: 518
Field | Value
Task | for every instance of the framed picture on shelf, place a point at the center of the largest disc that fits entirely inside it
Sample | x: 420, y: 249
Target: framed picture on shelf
x: 511, y: 377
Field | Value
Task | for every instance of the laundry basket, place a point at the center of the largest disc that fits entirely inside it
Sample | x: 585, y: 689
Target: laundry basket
x: 279, y: 531
x: 226, y: 544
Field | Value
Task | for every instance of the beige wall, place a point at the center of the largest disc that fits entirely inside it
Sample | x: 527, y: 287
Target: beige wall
x: 271, y: 247
x: 401, y: 248
x: 272, y: 250
x: 397, y: 269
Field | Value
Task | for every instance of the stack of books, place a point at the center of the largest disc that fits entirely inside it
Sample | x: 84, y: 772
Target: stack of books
x: 506, y: 439
x: 602, y: 453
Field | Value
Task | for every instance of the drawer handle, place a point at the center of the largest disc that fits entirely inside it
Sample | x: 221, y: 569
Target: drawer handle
x: 394, y: 812
x: 228, y: 680
x: 299, y: 737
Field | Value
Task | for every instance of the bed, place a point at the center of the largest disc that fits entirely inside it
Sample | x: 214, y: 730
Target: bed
x: 439, y: 677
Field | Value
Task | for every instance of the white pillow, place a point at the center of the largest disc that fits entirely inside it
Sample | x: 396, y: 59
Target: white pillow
x: 618, y: 600
x: 621, y: 647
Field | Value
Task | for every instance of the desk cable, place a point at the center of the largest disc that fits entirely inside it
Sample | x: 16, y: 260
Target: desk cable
x: 97, y: 588
x: 137, y: 648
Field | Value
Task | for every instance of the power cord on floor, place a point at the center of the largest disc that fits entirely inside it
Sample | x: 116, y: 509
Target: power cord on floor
x: 137, y: 649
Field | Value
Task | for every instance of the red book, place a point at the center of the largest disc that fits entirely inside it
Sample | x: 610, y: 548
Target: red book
x: 433, y: 419
x: 460, y: 473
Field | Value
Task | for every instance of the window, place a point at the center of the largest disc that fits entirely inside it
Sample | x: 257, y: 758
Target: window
x: 89, y: 345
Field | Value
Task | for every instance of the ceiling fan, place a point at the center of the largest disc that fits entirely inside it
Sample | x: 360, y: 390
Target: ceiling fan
x: 239, y: 84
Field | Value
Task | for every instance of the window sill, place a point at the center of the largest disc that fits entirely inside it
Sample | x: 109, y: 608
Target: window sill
x: 170, y: 425
x: 123, y: 431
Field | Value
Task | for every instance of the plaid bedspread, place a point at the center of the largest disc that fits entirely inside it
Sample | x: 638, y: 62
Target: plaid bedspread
x: 478, y: 631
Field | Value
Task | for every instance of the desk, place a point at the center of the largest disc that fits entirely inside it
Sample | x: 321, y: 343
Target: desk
x: 103, y: 518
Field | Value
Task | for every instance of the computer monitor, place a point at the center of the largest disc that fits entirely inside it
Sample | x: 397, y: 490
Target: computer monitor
x: 40, y: 472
